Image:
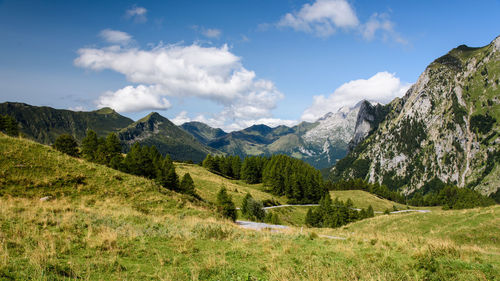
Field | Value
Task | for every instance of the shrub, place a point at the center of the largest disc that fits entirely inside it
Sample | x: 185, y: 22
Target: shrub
x: 252, y: 209
x: 66, y: 144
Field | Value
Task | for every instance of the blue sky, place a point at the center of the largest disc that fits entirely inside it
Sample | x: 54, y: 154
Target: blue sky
x: 228, y: 63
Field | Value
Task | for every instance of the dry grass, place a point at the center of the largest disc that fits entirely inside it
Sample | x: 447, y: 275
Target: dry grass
x: 119, y: 227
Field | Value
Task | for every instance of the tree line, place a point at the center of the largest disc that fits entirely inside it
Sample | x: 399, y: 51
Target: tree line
x: 227, y: 166
x: 432, y: 193
x: 335, y: 213
x: 451, y: 197
x: 283, y: 175
x: 140, y: 160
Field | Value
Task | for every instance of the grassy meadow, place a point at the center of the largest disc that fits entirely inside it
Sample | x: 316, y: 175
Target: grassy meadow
x: 101, y: 224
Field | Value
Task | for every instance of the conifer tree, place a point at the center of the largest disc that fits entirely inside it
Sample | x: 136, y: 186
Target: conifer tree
x: 89, y: 145
x: 113, y: 146
x: 187, y: 185
x: 369, y: 212
x: 225, y: 205
x: 9, y: 125
x: 244, y: 204
x: 66, y: 144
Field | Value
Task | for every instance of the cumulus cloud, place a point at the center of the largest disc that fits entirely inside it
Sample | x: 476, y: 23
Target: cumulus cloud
x: 324, y: 17
x: 133, y: 99
x: 381, y: 87
x: 212, y: 73
x: 115, y: 36
x: 138, y: 14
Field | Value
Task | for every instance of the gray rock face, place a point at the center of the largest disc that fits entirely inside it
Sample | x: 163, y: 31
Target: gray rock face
x: 433, y: 132
x: 320, y: 144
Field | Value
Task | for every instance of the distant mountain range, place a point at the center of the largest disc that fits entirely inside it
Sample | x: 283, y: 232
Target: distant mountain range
x: 320, y: 143
x: 445, y: 129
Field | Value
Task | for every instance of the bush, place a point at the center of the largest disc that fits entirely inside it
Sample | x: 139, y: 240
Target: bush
x: 272, y: 218
x: 66, y: 144
x: 252, y: 209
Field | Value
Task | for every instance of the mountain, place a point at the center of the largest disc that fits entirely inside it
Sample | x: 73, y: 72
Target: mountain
x: 445, y: 129
x: 157, y: 130
x: 202, y: 132
x: 320, y: 143
x: 43, y: 124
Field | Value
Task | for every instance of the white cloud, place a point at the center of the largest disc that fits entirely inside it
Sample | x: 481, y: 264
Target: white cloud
x: 207, y: 32
x: 138, y: 14
x: 381, y: 87
x: 211, y: 32
x: 322, y: 18
x: 222, y: 121
x: 133, y: 99
x: 381, y: 23
x: 115, y: 36
x: 212, y: 73
x: 181, y: 118
x: 239, y: 124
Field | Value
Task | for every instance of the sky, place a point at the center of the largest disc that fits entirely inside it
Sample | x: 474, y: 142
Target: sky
x: 230, y: 64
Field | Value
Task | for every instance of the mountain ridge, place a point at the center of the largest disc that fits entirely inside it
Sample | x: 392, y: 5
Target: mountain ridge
x: 444, y: 127
x: 44, y: 124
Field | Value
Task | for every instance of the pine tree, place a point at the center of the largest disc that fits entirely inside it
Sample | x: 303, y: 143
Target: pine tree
x: 117, y: 163
x: 225, y: 205
x: 9, y: 125
x: 244, y: 204
x: 172, y: 180
x: 113, y: 146
x: 89, y: 145
x: 209, y: 163
x: 369, y: 212
x: 187, y: 185
x: 66, y: 144
x: 101, y: 154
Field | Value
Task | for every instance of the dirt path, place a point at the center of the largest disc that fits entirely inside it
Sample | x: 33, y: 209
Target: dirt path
x: 259, y: 225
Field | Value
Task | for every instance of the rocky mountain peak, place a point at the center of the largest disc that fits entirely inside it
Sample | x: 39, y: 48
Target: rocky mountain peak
x: 444, y: 127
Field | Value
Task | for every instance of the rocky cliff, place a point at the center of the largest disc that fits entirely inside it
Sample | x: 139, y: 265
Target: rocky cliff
x: 445, y: 127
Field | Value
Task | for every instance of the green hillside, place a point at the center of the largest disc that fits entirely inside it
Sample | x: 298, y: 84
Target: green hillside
x: 101, y: 224
x: 210, y: 183
x: 202, y: 132
x: 363, y: 199
x: 44, y: 124
x: 157, y: 130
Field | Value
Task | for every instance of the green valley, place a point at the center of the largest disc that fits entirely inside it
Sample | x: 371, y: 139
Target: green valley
x: 99, y: 223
